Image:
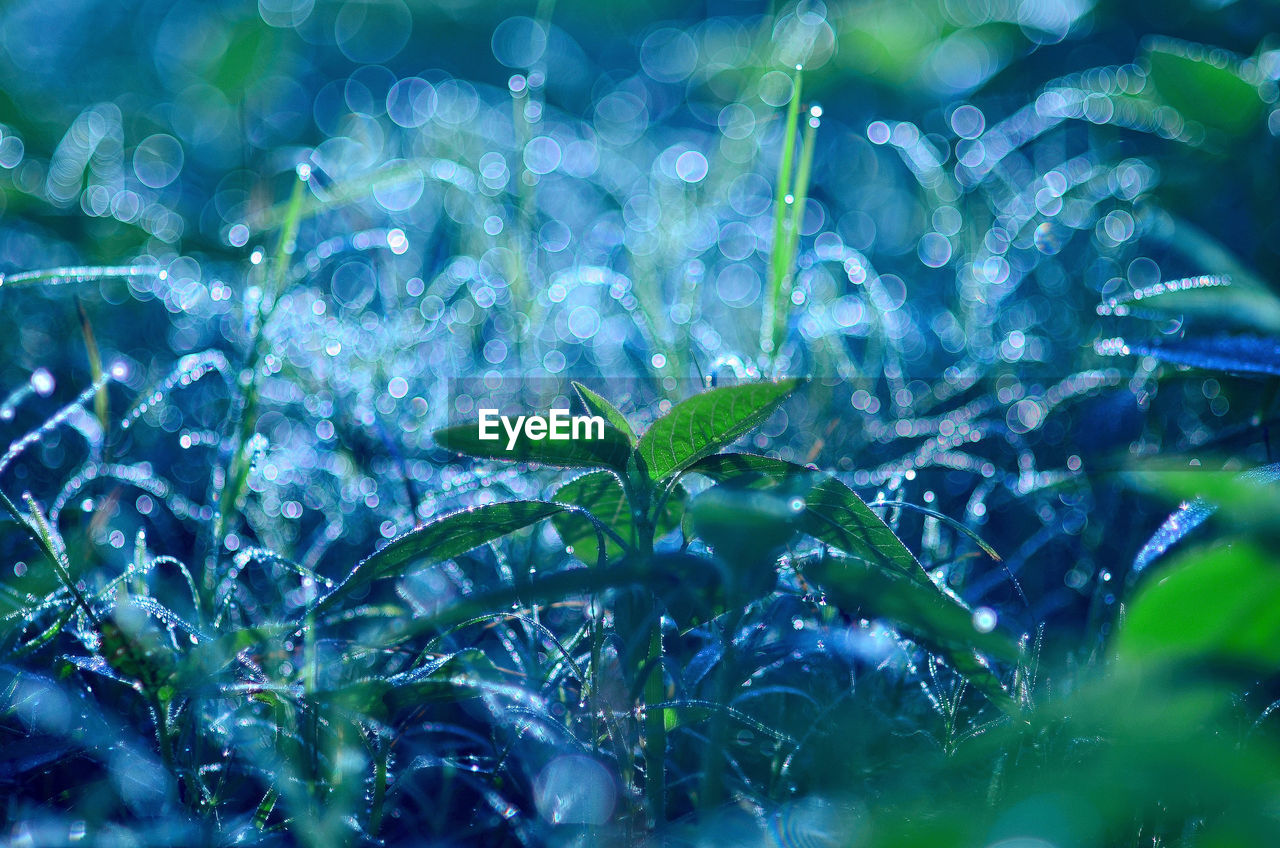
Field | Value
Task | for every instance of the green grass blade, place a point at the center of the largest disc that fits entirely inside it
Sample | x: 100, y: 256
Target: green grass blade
x: 782, y: 300
x: 779, y: 260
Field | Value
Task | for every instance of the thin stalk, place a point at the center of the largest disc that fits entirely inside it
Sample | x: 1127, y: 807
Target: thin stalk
x: 238, y: 467
x: 782, y: 303
x: 655, y: 726
x: 100, y: 408
x: 713, y: 758
x: 779, y: 260
x: 379, y: 786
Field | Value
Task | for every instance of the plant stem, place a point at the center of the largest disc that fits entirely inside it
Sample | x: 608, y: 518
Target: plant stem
x: 713, y: 758
x: 640, y: 494
x: 379, y: 787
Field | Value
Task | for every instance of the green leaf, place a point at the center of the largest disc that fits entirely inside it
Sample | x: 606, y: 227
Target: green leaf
x: 1203, y: 86
x: 833, y: 512
x: 1219, y: 606
x: 722, y: 513
x: 928, y: 615
x: 836, y: 515
x: 442, y: 539
x: 884, y: 579
x: 597, y: 405
x: 609, y: 452
x: 1248, y: 501
x: 705, y: 423
x: 601, y: 494
x: 543, y: 589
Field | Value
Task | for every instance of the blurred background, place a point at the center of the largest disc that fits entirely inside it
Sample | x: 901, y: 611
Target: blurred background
x: 496, y: 196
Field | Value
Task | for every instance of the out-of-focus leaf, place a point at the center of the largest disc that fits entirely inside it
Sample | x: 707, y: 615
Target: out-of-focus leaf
x: 707, y: 422
x: 1219, y: 606
x: 451, y: 678
x: 747, y: 528
x: 1248, y: 501
x: 444, y: 538
x: 1203, y: 85
x: 722, y: 513
x: 611, y: 451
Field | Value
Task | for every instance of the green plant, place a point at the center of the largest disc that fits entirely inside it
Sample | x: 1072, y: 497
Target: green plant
x: 612, y: 517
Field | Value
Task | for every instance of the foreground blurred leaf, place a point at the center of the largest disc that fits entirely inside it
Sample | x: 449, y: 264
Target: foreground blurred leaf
x: 1203, y: 85
x: 707, y: 422
x: 444, y: 538
x: 610, y: 452
x: 450, y: 678
x: 747, y: 528
x: 1219, y: 606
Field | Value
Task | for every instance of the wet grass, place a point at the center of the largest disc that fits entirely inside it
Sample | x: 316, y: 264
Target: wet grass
x: 894, y: 561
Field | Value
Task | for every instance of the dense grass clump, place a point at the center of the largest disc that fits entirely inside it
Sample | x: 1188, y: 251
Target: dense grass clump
x: 934, y: 350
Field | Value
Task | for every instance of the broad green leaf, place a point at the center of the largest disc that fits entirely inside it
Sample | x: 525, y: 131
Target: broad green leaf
x: 600, y: 493
x: 707, y: 422
x: 1219, y: 606
x: 444, y: 538
x: 597, y: 405
x: 833, y: 512
x: 1203, y: 87
x: 609, y: 452
x: 885, y: 579
x: 928, y: 615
